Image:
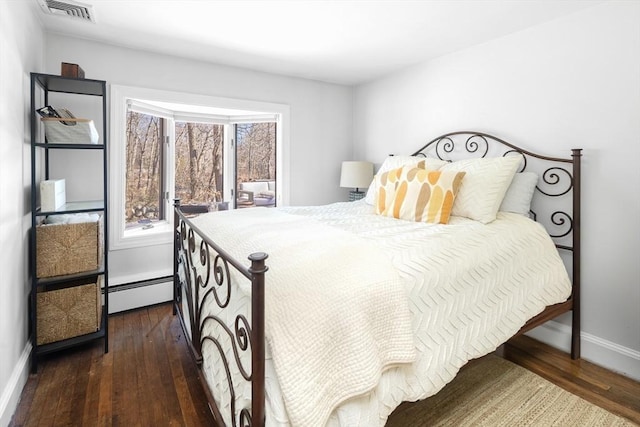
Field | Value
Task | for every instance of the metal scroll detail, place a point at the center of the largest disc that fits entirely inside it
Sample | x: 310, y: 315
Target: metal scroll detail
x: 556, y: 175
x: 553, y: 177
x: 208, y: 290
x: 564, y: 220
x: 476, y: 144
x: 559, y: 182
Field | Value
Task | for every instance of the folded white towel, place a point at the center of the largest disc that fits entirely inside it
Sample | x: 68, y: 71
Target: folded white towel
x: 72, y: 218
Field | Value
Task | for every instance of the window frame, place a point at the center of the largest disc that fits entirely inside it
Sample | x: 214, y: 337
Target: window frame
x: 161, y: 234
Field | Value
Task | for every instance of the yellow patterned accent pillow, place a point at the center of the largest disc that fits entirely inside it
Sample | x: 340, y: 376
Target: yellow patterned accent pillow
x: 417, y: 194
x: 386, y: 184
x: 395, y: 162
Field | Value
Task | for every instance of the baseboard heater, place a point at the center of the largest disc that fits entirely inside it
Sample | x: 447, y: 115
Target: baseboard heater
x: 143, y: 293
x: 139, y: 284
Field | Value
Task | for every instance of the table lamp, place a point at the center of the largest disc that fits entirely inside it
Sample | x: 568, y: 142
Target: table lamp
x: 356, y: 174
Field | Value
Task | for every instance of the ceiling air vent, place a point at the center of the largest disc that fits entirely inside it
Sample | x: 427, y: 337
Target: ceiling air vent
x: 70, y: 8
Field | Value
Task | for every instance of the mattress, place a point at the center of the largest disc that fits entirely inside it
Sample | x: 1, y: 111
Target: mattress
x: 470, y: 288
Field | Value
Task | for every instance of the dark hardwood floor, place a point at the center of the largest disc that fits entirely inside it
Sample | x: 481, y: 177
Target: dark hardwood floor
x: 148, y: 378
x: 615, y: 393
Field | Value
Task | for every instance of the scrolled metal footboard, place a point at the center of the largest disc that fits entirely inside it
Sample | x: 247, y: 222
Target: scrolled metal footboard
x: 202, y: 275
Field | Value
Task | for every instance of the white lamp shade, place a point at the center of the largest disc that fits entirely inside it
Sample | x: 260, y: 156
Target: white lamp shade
x: 356, y: 174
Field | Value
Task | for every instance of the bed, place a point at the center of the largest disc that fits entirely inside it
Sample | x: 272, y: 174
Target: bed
x: 348, y: 312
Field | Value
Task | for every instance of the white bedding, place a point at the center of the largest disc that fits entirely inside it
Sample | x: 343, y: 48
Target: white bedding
x: 342, y: 310
x: 470, y: 287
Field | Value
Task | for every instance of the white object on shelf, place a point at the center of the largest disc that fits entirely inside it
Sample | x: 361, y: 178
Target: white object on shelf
x: 52, y: 194
x: 66, y: 130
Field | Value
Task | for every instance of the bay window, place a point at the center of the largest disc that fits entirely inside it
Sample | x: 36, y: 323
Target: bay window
x: 201, y: 154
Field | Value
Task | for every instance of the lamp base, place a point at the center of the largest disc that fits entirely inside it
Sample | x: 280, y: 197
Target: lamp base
x: 356, y: 195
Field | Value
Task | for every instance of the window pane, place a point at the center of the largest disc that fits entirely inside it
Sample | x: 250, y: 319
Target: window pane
x: 199, y: 163
x: 256, y: 152
x: 256, y: 162
x: 144, y: 169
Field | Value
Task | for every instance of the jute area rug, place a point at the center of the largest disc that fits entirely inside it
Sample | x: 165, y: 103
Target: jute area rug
x: 495, y: 392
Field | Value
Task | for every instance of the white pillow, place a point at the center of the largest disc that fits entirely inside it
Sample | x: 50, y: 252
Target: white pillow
x: 395, y: 162
x: 484, y: 186
x: 519, y: 194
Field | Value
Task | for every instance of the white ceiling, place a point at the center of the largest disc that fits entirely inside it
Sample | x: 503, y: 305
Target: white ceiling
x: 340, y: 41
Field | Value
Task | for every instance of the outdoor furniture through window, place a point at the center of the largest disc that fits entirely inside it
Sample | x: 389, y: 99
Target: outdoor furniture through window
x: 257, y: 193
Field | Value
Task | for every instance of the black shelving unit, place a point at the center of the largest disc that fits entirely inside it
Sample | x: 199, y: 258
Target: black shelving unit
x: 41, y: 87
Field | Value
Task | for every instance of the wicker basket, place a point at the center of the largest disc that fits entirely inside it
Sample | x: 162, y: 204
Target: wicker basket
x: 69, y: 312
x: 70, y: 131
x: 68, y: 248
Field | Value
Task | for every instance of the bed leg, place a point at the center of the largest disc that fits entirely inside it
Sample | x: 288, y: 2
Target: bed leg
x: 575, y: 332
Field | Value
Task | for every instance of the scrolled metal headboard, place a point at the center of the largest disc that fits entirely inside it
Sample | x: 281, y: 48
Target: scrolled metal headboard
x: 559, y: 178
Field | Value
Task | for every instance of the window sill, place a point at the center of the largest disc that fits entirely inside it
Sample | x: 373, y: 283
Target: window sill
x: 159, y: 234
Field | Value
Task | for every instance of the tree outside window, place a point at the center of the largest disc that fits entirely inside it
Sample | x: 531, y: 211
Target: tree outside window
x: 143, y: 196
x: 198, y: 163
x: 198, y: 166
x: 256, y: 152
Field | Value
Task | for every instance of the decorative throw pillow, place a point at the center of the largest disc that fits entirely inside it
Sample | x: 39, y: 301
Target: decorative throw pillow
x: 484, y: 185
x: 416, y: 194
x: 386, y: 184
x: 394, y: 162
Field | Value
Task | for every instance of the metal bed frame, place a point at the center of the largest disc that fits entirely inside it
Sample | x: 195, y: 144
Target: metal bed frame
x: 202, y: 268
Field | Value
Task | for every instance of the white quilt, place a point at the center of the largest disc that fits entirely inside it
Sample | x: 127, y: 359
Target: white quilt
x: 471, y: 287
x: 336, y: 311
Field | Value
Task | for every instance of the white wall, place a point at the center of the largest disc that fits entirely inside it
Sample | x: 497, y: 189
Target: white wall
x: 320, y: 132
x: 21, y: 41
x: 570, y: 83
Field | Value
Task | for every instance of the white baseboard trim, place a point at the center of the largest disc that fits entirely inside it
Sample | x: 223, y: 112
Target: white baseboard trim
x: 11, y: 394
x: 141, y: 296
x: 607, y: 354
